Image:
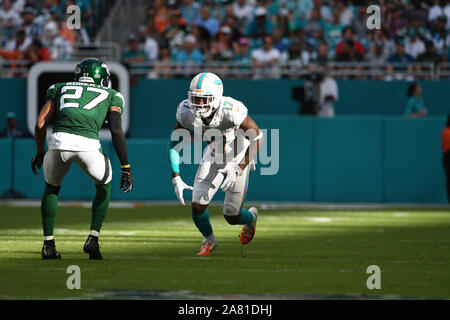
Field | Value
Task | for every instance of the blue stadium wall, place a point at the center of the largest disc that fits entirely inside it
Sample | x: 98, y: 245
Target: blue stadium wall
x: 377, y: 157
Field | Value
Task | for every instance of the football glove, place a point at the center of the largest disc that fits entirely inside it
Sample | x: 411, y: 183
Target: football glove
x: 179, y: 186
x: 126, y: 180
x: 37, y: 162
x: 232, y: 172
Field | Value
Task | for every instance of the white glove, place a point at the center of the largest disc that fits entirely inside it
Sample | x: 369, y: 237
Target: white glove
x: 179, y: 186
x: 232, y: 172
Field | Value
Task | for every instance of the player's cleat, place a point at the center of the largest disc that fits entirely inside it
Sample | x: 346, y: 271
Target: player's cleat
x: 248, y: 231
x: 49, y: 250
x: 93, y: 248
x: 207, y: 247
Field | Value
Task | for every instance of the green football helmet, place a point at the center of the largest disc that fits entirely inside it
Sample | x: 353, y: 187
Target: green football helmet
x: 92, y: 70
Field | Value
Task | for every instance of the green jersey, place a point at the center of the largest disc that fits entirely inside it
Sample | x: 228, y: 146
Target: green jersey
x: 81, y: 107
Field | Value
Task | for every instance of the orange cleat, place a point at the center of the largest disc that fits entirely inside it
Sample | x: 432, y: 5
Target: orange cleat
x: 206, y: 248
x: 248, y: 231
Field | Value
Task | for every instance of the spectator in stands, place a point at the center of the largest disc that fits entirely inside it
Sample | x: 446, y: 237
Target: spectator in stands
x: 445, y: 143
x: 297, y: 56
x: 358, y: 22
x: 439, y: 34
x: 132, y: 53
x: 176, y: 32
x: 36, y: 52
x: 162, y: 65
x: 430, y: 55
x: 348, y: 37
x: 242, y: 53
x: 435, y: 11
x: 189, y: 52
x: 190, y: 10
x: 302, y: 11
x: 162, y: 17
x: 151, y: 46
x: 346, y: 14
x: 64, y: 30
x: 324, y: 10
x: 333, y: 30
x: 207, y: 22
x: 394, y: 22
x: 19, y: 42
x: 376, y: 54
x: 348, y: 52
x: 314, y: 28
x: 47, y: 10
x: 415, y: 107
x: 9, y: 17
x: 279, y: 42
x: 12, y: 129
x: 265, y: 60
x: 400, y: 55
x: 58, y: 47
x: 413, y: 44
x: 260, y: 26
x: 222, y: 49
x: 243, y: 11
x: 323, y: 54
x: 32, y: 29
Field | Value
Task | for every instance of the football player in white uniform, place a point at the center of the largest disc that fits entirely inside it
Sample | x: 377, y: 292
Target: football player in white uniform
x: 207, y: 109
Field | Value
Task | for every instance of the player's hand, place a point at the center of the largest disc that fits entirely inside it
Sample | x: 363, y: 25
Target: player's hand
x: 179, y: 186
x: 37, y: 161
x: 232, y: 172
x: 126, y: 180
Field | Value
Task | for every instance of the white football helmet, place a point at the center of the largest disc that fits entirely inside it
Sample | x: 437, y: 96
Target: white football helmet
x: 204, y: 94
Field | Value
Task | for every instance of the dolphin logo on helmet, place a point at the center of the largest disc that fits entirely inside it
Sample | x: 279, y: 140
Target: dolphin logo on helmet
x: 204, y: 94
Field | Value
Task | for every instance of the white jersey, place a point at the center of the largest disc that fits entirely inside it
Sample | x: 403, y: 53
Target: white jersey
x: 227, y: 118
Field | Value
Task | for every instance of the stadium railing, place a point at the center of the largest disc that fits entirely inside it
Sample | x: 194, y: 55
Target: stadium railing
x: 110, y: 51
x: 14, y: 68
x: 107, y: 51
x: 292, y: 70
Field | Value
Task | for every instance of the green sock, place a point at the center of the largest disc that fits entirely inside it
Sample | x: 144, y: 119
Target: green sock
x: 100, y: 205
x: 49, y: 205
x: 202, y: 222
x: 246, y: 216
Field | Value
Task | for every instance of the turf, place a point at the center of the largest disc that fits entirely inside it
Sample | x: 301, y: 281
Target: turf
x: 294, y: 251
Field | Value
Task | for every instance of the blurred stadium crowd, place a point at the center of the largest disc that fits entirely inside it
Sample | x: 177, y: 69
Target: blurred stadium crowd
x: 273, y: 37
x: 243, y: 38
x: 36, y: 30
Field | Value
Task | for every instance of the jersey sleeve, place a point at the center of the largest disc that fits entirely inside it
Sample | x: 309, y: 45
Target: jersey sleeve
x: 238, y: 113
x: 117, y: 100
x: 51, y: 93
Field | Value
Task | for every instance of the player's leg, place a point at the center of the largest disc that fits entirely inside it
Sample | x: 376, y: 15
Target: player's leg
x: 206, y: 184
x: 55, y: 168
x: 98, y: 167
x: 235, y: 213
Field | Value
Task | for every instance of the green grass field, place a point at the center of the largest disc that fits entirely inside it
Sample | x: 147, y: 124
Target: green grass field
x: 294, y: 252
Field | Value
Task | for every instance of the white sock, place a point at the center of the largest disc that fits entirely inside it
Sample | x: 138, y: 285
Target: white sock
x: 48, y: 238
x: 211, y: 237
x: 94, y: 233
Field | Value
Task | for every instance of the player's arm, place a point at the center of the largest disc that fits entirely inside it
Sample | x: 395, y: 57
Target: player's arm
x: 174, y: 164
x: 234, y: 170
x: 120, y: 146
x: 40, y: 131
x: 255, y: 136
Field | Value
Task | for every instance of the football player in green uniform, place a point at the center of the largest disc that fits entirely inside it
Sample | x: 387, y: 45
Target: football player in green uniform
x: 77, y: 111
